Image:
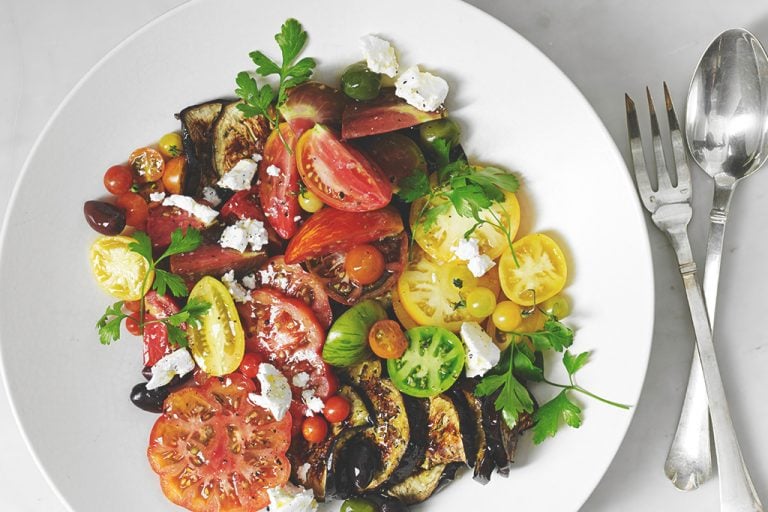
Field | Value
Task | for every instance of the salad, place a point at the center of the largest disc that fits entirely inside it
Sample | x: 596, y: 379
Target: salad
x: 334, y: 302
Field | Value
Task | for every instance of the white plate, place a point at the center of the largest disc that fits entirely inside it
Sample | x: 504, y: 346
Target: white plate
x: 518, y: 110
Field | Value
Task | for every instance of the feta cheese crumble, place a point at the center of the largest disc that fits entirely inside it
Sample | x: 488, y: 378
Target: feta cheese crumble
x: 301, y: 379
x: 420, y: 89
x: 257, y: 157
x: 314, y: 404
x: 210, y: 195
x: 480, y: 265
x: 301, y: 471
x: 236, y: 290
x: 245, y: 232
x: 469, y: 251
x: 205, y: 213
x: 240, y: 176
x: 178, y: 363
x: 273, y: 170
x: 275, y: 392
x: 249, y: 281
x: 291, y: 498
x: 482, y: 353
x: 156, y: 196
x: 379, y: 55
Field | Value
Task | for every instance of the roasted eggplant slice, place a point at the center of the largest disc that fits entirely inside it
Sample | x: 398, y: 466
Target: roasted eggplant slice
x: 468, y: 424
x: 510, y: 436
x: 419, y: 486
x: 483, y: 463
x: 196, y: 124
x: 236, y: 137
x: 445, y: 443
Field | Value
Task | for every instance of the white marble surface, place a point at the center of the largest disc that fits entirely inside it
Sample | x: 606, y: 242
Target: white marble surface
x: 607, y: 48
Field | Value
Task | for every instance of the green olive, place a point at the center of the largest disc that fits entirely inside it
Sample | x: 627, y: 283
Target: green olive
x: 358, y: 505
x: 445, y: 128
x: 360, y: 83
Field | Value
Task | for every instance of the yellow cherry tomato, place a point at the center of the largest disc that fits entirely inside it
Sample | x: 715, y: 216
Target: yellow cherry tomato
x: 556, y: 306
x: 118, y: 270
x: 309, y: 201
x: 217, y: 341
x: 541, y: 273
x: 170, y: 145
x: 481, y: 302
x: 507, y: 316
x: 450, y: 227
x: 435, y: 293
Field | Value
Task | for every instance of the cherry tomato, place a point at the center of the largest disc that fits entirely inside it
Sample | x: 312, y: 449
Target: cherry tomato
x: 387, y: 339
x: 147, y: 164
x: 249, y: 366
x: 507, y: 316
x: 309, y: 201
x: 536, y: 273
x: 118, y: 179
x: 170, y: 145
x: 339, y: 174
x: 132, y: 324
x: 156, y: 344
x: 279, y: 193
x: 336, y: 409
x: 556, y: 306
x: 314, y: 429
x: 136, y: 209
x: 173, y: 176
x: 210, y: 438
x: 481, y: 302
x: 132, y: 306
x: 364, y: 264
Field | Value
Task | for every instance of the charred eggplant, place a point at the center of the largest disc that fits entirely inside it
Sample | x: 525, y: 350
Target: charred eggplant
x: 196, y: 126
x: 236, y: 137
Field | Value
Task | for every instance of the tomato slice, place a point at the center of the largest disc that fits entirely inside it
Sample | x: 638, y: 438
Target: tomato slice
x: 214, y: 260
x: 118, y: 270
x: 331, y: 230
x: 164, y: 220
x: 430, y: 365
x: 541, y: 273
x: 280, y: 194
x: 244, y: 204
x: 155, y: 335
x: 286, y: 333
x: 339, y: 174
x: 215, y: 451
x: 217, y: 341
x: 296, y: 282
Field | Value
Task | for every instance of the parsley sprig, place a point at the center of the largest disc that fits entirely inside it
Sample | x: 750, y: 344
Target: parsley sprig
x: 469, y: 190
x: 164, y: 281
x: 258, y: 100
x: 520, y: 363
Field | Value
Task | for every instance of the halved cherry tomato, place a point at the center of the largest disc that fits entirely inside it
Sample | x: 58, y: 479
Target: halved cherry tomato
x: 279, y: 194
x: 249, y: 366
x: 296, y: 282
x: 173, y: 177
x: 118, y: 179
x: 336, y: 409
x: 164, y: 220
x: 331, y: 230
x: 338, y: 174
x: 155, y: 334
x: 215, y: 451
x: 132, y: 306
x: 147, y: 164
x: 541, y: 272
x: 314, y: 429
x: 136, y: 209
x: 170, y: 145
x: 387, y: 339
x: 364, y: 264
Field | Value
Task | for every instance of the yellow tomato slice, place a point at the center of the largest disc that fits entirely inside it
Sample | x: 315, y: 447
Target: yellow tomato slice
x: 217, y: 341
x: 451, y: 227
x: 435, y: 293
x: 118, y: 270
x: 541, y: 274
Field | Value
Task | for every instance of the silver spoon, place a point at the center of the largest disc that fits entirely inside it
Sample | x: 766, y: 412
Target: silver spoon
x: 727, y: 131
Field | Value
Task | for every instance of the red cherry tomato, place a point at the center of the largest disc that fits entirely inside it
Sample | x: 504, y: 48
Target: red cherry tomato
x: 314, y: 429
x: 364, y: 264
x: 118, y: 179
x: 132, y: 306
x: 336, y: 409
x: 136, y: 209
x: 249, y: 366
x: 132, y: 324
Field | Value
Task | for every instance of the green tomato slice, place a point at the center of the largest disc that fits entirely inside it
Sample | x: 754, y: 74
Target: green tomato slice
x: 347, y: 340
x: 431, y: 363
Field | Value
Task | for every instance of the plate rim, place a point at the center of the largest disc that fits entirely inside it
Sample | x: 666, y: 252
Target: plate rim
x: 488, y: 18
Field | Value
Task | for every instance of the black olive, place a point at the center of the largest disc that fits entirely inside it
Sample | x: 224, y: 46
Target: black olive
x: 103, y: 217
x: 151, y: 400
x: 146, y: 372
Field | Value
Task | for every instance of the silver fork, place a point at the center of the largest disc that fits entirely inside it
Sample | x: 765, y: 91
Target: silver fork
x: 670, y: 208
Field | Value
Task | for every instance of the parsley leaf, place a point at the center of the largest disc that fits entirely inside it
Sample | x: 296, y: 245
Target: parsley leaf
x: 574, y: 363
x: 554, y: 336
x: 182, y: 241
x: 513, y: 398
x: 174, y: 283
x: 414, y: 186
x: 142, y: 245
x: 491, y: 176
x: 176, y: 335
x: 109, y: 323
x: 547, y: 418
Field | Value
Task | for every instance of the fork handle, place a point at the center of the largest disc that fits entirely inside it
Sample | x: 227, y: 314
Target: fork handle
x: 737, y: 493
x: 689, y: 461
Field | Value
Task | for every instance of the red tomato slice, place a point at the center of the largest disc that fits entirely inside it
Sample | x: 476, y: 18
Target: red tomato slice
x: 340, y: 175
x: 244, y: 204
x: 155, y: 335
x: 215, y: 451
x: 296, y: 282
x: 164, y: 220
x: 331, y: 230
x: 286, y: 333
x: 213, y: 260
x: 280, y: 194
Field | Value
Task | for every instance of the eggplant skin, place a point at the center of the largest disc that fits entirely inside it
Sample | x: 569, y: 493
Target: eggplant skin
x: 445, y: 443
x: 236, y: 137
x: 196, y: 125
x: 468, y: 424
x: 419, y: 486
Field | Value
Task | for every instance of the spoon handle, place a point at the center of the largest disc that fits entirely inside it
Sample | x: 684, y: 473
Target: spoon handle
x: 689, y: 461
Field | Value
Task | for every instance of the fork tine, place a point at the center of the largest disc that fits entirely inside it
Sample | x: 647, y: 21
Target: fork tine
x: 662, y: 173
x: 678, y: 147
x: 638, y: 159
